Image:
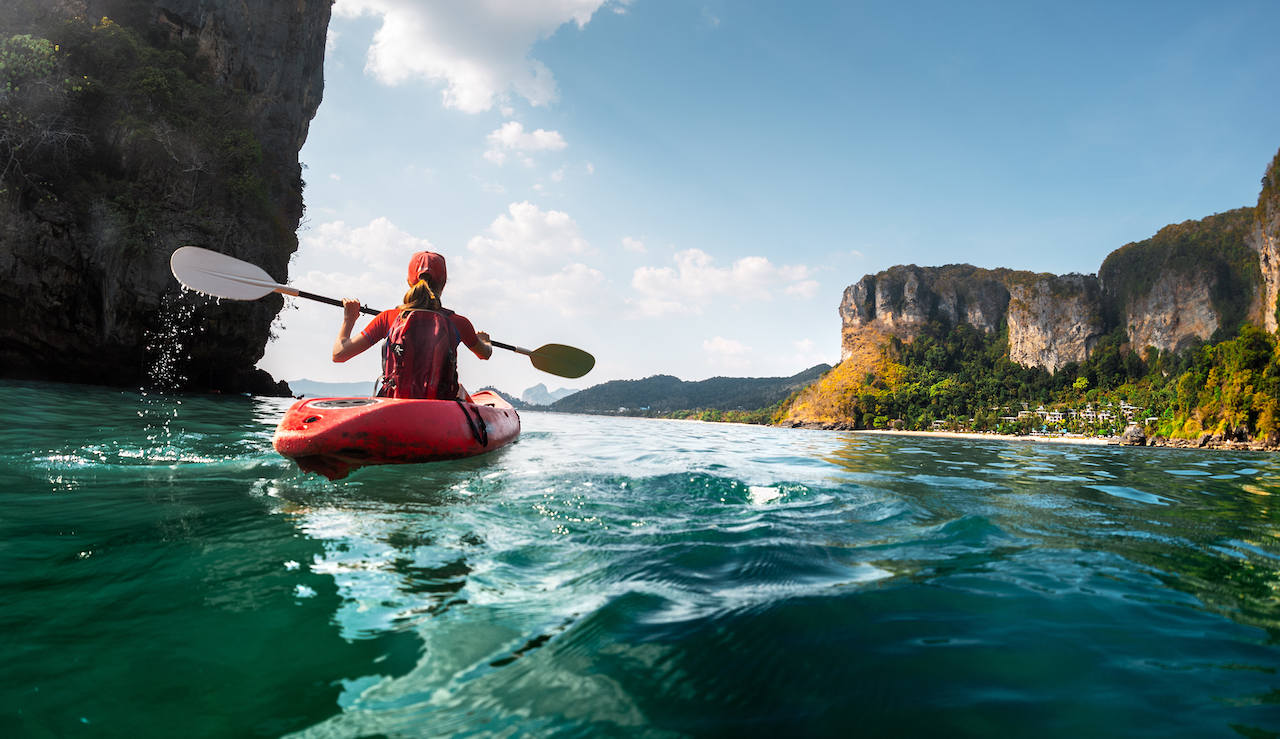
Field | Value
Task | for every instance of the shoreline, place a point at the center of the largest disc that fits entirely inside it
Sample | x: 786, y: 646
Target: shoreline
x: 1087, y: 440
x: 1206, y: 442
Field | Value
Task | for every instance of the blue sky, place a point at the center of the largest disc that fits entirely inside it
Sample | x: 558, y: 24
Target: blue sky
x: 687, y: 188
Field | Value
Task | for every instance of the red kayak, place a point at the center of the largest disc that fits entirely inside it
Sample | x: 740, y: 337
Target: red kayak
x: 333, y: 436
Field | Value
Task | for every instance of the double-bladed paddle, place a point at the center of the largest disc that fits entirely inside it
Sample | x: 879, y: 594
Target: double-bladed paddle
x: 221, y: 276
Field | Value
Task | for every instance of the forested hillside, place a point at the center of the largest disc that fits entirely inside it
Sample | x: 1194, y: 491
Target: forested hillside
x: 664, y: 393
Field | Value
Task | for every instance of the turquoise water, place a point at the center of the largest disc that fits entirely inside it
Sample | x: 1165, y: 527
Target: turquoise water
x: 167, y: 575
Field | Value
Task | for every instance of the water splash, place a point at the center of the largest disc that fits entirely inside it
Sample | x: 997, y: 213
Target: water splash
x: 165, y: 348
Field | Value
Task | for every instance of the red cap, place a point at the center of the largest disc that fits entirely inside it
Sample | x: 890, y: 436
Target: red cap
x: 427, y: 263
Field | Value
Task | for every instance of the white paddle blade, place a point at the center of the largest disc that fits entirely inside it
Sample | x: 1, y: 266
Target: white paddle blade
x: 219, y: 275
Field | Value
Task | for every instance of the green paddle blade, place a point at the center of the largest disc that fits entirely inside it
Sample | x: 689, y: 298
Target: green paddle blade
x: 562, y: 360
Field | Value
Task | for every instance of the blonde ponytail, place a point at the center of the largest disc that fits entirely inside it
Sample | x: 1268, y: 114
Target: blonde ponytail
x: 420, y: 296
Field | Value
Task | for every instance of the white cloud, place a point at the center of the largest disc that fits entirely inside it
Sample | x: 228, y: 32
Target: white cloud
x: 631, y: 244
x: 694, y: 282
x: 591, y: 168
x: 512, y: 137
x: 557, y: 175
x: 727, y: 352
x: 381, y: 245
x: 807, y: 354
x: 528, y: 261
x: 377, y: 253
x: 480, y: 51
x: 856, y: 253
x: 806, y: 289
x: 530, y: 239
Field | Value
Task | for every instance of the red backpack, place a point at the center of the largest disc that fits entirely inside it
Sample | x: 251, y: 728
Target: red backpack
x: 420, y: 358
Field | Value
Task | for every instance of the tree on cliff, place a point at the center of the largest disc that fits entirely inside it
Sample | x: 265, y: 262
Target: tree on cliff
x: 36, y: 93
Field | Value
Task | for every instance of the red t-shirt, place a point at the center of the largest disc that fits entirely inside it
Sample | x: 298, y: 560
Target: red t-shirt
x: 380, y: 326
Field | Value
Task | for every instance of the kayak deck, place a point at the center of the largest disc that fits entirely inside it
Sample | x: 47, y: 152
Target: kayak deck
x: 333, y: 436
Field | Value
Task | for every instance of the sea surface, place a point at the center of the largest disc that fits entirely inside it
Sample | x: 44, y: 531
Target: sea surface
x: 166, y: 574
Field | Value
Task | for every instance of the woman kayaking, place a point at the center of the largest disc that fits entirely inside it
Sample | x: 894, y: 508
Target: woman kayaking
x: 420, y: 358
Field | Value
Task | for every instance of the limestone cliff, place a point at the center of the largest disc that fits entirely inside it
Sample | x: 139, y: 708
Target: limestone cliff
x: 1187, y: 282
x: 900, y: 300
x: 1054, y: 320
x: 196, y: 143
x: 1262, y: 239
x: 903, y: 361
x: 1174, y: 313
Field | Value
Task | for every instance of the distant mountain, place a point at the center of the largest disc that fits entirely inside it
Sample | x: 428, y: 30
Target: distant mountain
x: 517, y: 403
x: 667, y: 393
x: 314, y: 389
x: 538, y: 395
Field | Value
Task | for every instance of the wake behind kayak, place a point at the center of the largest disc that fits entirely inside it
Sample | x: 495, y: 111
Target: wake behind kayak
x: 333, y: 436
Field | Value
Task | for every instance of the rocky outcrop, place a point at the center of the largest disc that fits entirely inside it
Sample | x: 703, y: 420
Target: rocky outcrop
x: 274, y: 52
x: 1054, y: 320
x: 86, y: 294
x: 1186, y: 282
x: 1177, y: 311
x: 901, y: 300
x: 1180, y: 286
x: 1263, y: 239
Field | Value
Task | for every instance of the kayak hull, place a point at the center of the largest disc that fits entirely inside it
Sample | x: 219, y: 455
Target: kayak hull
x: 333, y: 436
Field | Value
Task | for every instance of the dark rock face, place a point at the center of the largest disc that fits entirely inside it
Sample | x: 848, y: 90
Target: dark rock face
x: 75, y: 306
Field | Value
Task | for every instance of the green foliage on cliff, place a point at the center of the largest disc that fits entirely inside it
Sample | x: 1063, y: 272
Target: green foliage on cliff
x: 141, y: 132
x: 956, y: 377
x: 1269, y: 197
x: 1214, y: 247
x: 36, y: 90
x: 948, y: 373
x: 1231, y: 385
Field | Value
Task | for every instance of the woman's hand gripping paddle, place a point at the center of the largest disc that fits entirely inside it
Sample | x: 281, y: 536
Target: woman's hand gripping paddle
x: 222, y: 276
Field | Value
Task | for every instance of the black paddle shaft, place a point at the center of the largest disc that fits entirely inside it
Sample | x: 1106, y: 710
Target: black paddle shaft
x: 334, y: 301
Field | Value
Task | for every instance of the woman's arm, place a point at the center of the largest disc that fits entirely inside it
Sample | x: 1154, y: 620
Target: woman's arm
x: 345, y: 347
x: 482, y: 348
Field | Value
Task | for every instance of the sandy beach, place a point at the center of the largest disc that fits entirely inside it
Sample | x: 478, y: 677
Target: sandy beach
x: 1092, y: 440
